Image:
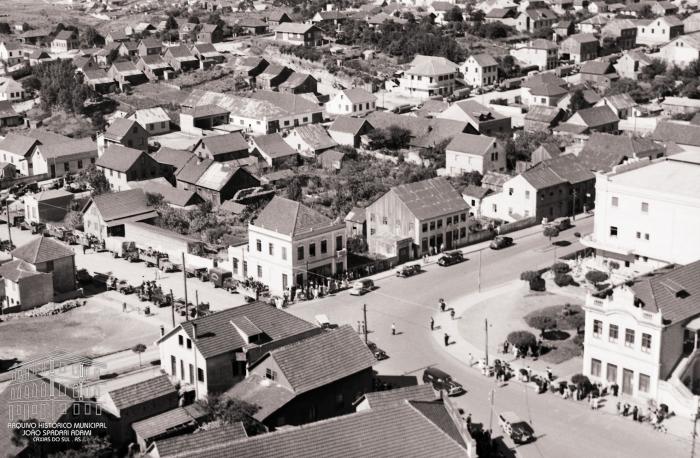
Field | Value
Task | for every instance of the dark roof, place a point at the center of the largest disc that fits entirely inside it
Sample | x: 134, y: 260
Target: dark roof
x: 288, y: 217
x: 604, y: 151
x: 216, y: 335
x: 401, y: 430
x: 476, y: 191
x: 180, y: 52
x: 123, y: 204
x: 544, y: 78
x: 174, y: 157
x: 140, y: 392
x: 42, y: 249
x: 542, y: 177
x: 171, y: 194
x: 348, y: 124
x: 151, y: 42
x: 296, y: 79
x: 547, y: 89
x: 679, y: 133
x: 477, y: 111
x: 118, y: 157
x: 65, y: 35
x: 597, y: 67
x: 568, y: 167
x: 168, y: 421
x: 430, y: 198
x: 397, y: 396
x: 227, y: 143
x: 273, y: 145
x: 120, y: 127
x: 200, y: 441
x: 597, y: 116
x: 323, y: 359
x: 542, y: 113
x: 675, y: 294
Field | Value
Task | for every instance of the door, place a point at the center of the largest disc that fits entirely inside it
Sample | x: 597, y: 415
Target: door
x: 53, y: 171
x: 403, y: 254
x: 284, y: 281
x: 627, y: 376
x: 448, y: 240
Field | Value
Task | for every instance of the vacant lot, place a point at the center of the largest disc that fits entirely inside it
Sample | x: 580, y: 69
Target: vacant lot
x: 40, y: 13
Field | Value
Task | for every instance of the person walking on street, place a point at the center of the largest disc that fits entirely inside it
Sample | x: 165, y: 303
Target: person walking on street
x: 635, y: 412
x: 432, y: 323
x: 393, y: 329
x: 447, y: 339
x: 124, y: 307
x: 442, y: 305
x: 550, y: 377
x: 469, y: 422
x: 471, y: 360
x: 452, y: 314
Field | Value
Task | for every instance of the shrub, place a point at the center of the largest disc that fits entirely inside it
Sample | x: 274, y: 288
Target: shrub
x: 537, y: 284
x: 541, y: 322
x: 580, y: 380
x: 529, y: 275
x: 550, y: 232
x: 578, y: 340
x: 562, y: 280
x: 613, y: 265
x: 560, y: 268
x: 596, y: 276
x: 576, y: 321
x: 577, y: 235
x: 522, y: 339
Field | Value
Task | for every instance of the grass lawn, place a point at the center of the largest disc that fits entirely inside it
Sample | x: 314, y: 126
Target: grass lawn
x: 561, y: 343
x: 92, y: 330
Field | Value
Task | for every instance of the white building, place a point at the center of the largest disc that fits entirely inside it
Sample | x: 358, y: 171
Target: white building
x: 289, y: 245
x: 155, y: 120
x: 429, y: 76
x: 480, y: 70
x: 352, y: 102
x: 540, y: 52
x: 11, y: 90
x: 474, y: 153
x: 643, y: 336
x: 658, y: 30
x: 681, y: 51
x: 648, y: 215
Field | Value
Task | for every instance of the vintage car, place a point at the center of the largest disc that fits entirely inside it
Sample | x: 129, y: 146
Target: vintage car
x: 449, y: 258
x: 408, y: 271
x: 520, y: 431
x: 500, y: 242
x: 376, y: 351
x: 442, y: 381
x: 361, y: 287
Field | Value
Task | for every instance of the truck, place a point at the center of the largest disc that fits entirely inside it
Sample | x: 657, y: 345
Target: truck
x: 152, y: 258
x: 218, y: 276
x: 119, y: 247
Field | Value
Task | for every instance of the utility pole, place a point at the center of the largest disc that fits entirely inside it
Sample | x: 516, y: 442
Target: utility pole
x: 695, y: 432
x: 9, y: 225
x: 172, y: 300
x: 364, y: 311
x: 184, y: 280
x: 492, y: 399
x: 486, y: 341
x: 196, y: 301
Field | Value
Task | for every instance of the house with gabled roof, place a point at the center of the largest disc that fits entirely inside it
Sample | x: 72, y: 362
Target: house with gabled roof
x: 413, y: 219
x: 210, y: 33
x: 277, y: 17
x: 604, y: 151
x: 154, y: 120
x: 485, y: 121
x: 348, y: 131
x: 579, y: 48
x: 310, y: 140
x: 116, y: 36
x: 171, y: 423
x: 18, y: 149
x: 126, y: 74
x: 47, y: 206
x: 600, y: 73
x: 196, y: 442
x: 64, y: 41
x: 622, y: 31
x: 122, y: 165
x: 589, y: 120
x: 207, y: 52
x: 23, y: 288
x: 291, y: 245
x: 128, y: 49
x: 50, y: 256
x: 99, y: 81
x: 540, y: 52
x: 480, y: 70
x: 535, y: 19
x: 351, y: 102
x: 9, y: 116
x: 11, y: 90
x: 104, y: 215
x: 125, y: 132
x: 311, y: 379
x: 150, y: 47
x: 214, y: 181
x: 474, y: 153
x: 274, y: 152
x: 682, y: 50
x: 658, y: 30
x: 253, y: 25
x: 298, y: 83
x: 299, y: 34
x: 542, y: 118
x: 60, y: 159
x: 545, y: 89
x: 11, y: 53
x: 181, y: 58
x: 683, y: 135
x: 623, y: 105
x: 222, y: 148
x: 210, y: 354
x: 124, y: 406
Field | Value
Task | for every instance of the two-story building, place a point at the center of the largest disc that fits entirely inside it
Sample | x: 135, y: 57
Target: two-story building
x: 125, y: 132
x: 659, y: 30
x: 622, y: 31
x: 11, y: 53
x: 104, y: 215
x: 483, y: 120
x: 429, y: 76
x: 480, y: 70
x: 351, y: 102
x: 579, y: 48
x: 535, y: 19
x: 65, y: 40
x: 542, y: 53
x: 122, y: 165
x: 474, y: 153
x: 417, y: 218
x: 681, y: 51
x: 155, y: 120
x: 222, y: 148
x: 60, y: 159
x: 643, y: 337
x: 291, y: 245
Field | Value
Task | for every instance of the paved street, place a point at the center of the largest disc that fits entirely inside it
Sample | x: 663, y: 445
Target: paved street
x: 564, y: 428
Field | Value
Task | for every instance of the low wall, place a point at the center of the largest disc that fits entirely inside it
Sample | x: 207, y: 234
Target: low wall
x: 517, y: 225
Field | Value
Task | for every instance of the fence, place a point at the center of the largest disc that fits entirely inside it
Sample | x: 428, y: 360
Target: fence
x: 517, y: 225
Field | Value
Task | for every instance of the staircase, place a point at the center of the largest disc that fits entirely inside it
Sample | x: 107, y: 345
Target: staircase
x: 674, y: 393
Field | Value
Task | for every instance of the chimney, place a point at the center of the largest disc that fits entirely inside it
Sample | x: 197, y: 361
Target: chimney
x: 194, y: 331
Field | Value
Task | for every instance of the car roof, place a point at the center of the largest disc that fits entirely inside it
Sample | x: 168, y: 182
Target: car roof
x: 437, y: 372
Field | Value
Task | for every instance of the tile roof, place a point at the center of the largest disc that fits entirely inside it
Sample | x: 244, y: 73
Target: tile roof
x: 359, y: 95
x: 42, y: 249
x: 291, y: 218
x: 154, y: 61
x: 569, y: 167
x: 205, y: 48
x: 583, y: 38
x: 223, y: 144
x: 205, y: 111
x: 430, y: 198
x: 543, y: 113
x: 294, y: 27
x: 603, y: 151
x: 216, y: 335
x: 193, y: 169
x: 74, y: 149
x: 396, y: 431
x: 200, y: 440
x: 273, y: 145
x: 547, y: 90
x: 17, y: 144
x: 218, y: 175
x: 18, y: 269
x: 151, y: 42
x: 123, y: 204
x: 621, y: 101
x: 64, y: 35
x: 118, y: 157
x: 679, y: 133
x: 676, y: 294
x: 315, y: 136
x: 544, y: 78
x: 174, y: 157
x: 180, y: 52
x: 140, y: 392
x: 484, y: 60
x: 477, y: 111
x: 596, y: 116
x: 171, y: 194
x: 120, y: 127
x: 348, y: 124
x: 397, y: 396
x: 477, y: 145
x: 168, y: 421
x: 542, y: 177
x: 431, y: 65
x: 597, y: 67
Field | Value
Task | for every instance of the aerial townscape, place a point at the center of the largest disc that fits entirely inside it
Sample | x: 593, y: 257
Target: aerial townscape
x: 349, y: 228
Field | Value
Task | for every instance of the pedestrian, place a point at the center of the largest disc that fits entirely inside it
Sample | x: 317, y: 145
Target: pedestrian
x: 505, y: 347
x: 393, y: 329
x: 447, y: 339
x: 618, y: 407
x: 359, y: 330
x: 550, y: 377
x: 529, y: 372
x: 83, y: 249
x: 124, y: 307
x: 452, y: 314
x: 432, y: 323
x: 515, y: 352
x: 469, y: 422
x: 442, y: 305
x: 471, y: 360
x: 635, y: 412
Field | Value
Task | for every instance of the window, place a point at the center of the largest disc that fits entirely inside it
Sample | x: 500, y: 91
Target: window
x: 173, y: 365
x: 449, y: 221
x: 200, y: 374
x: 300, y: 253
x: 235, y: 265
x: 269, y: 373
x: 510, y: 191
x: 385, y: 221
x: 324, y: 247
x: 191, y: 373
x: 463, y: 217
x: 629, y: 337
x: 80, y: 163
x: 595, y: 367
x: 646, y: 236
x: 271, y: 249
x: 259, y: 271
x: 646, y: 342
x: 597, y: 328
x: 284, y: 253
x: 339, y: 243
x: 312, y: 249
x: 66, y: 167
x: 439, y: 223
x: 189, y: 344
x: 645, y: 207
x: 258, y: 245
x: 613, y: 231
x: 613, y: 333
x: 432, y: 225
x: 371, y: 217
x: 611, y: 373
x: 180, y: 340
x: 614, y: 201
x: 643, y: 383
x: 527, y: 194
x: 639, y: 235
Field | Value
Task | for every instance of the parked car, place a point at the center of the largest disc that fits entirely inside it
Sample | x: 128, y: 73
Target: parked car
x: 442, y: 381
x: 520, y: 431
x: 361, y: 287
x: 376, y: 351
x: 449, y: 258
x: 124, y: 287
x: 83, y: 276
x: 501, y: 242
x: 562, y: 223
x: 408, y: 271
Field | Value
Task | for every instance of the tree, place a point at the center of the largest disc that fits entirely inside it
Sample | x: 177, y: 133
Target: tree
x: 90, y: 37
x: 541, y: 322
x: 397, y: 137
x: 73, y: 220
x: 506, y: 66
x: 529, y: 275
x: 550, y: 232
x: 596, y: 276
x: 522, y: 339
x: 477, y: 17
x: 96, y: 179
x: 454, y: 15
x: 193, y: 19
x: 171, y: 23
x: 229, y: 410
x: 576, y: 321
x: 5, y: 28
x: 294, y: 189
x: 138, y: 349
x: 577, y: 101
x: 654, y: 68
x: 628, y: 86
